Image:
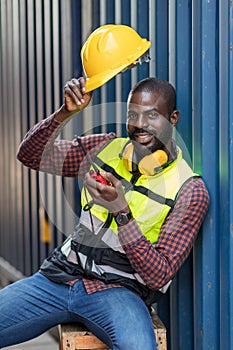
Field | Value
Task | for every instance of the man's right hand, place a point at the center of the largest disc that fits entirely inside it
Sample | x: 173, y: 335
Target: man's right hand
x: 75, y: 98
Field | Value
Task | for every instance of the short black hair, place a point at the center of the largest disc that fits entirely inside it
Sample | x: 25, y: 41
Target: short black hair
x: 158, y: 85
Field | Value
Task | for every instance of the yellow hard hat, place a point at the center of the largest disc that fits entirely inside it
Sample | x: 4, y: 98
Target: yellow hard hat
x: 109, y: 50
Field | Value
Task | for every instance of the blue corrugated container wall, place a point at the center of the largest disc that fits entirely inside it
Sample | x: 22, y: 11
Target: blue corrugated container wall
x: 40, y: 43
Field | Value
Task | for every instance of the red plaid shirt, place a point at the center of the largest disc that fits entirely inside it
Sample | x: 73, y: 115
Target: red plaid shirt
x: 156, y: 263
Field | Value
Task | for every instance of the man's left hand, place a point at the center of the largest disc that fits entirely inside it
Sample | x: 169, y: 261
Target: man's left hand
x: 111, y: 196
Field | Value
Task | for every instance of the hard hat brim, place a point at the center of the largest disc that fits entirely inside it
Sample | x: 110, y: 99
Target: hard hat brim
x: 98, y: 80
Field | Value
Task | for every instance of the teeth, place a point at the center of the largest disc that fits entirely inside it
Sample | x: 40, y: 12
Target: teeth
x: 143, y: 136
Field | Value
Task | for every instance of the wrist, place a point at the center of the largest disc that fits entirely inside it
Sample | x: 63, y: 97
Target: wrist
x: 126, y: 209
x: 63, y: 114
x: 123, y: 217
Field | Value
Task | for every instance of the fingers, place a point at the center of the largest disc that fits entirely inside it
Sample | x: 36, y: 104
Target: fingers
x: 98, y: 190
x: 111, y: 179
x: 94, y: 184
x: 111, y: 197
x: 75, y: 89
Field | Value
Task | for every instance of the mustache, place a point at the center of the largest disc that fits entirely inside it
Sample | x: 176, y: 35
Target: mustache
x: 139, y: 131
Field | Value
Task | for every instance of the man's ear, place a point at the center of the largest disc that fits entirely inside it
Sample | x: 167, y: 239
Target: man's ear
x: 174, y: 117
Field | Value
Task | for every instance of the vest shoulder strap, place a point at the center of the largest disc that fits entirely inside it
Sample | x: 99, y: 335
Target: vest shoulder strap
x: 128, y: 185
x: 156, y: 197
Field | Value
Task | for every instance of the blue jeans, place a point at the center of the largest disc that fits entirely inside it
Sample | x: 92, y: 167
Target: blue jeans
x: 33, y: 305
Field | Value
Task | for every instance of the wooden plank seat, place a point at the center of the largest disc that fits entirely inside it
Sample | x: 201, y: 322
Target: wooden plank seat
x: 74, y: 336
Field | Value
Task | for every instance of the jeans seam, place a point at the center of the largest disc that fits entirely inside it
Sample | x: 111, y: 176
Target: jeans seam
x: 87, y: 319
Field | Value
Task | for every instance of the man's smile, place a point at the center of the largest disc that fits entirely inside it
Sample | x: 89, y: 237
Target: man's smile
x: 143, y: 137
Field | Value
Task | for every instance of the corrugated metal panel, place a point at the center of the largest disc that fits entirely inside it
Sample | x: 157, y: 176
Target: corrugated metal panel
x: 225, y: 173
x: 206, y: 85
x: 183, y: 320
x: 228, y: 306
x: 35, y: 62
x: 40, y: 44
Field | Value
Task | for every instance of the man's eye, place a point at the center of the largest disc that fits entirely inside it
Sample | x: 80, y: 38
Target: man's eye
x: 153, y: 115
x: 132, y: 116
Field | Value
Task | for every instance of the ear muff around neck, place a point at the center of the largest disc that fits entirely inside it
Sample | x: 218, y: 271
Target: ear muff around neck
x: 128, y: 158
x: 147, y: 165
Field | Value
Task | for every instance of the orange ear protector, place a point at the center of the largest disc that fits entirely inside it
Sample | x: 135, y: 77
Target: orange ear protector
x: 148, y: 165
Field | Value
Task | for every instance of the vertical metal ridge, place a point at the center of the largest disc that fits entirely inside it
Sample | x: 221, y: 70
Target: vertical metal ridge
x: 224, y: 175
x: 152, y: 37
x: 230, y: 103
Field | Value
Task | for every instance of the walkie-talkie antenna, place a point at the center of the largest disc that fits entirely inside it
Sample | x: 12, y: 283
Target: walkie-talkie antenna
x: 90, y: 160
x: 95, y: 174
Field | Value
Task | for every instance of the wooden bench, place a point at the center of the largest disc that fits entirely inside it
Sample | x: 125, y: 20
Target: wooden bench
x: 75, y: 336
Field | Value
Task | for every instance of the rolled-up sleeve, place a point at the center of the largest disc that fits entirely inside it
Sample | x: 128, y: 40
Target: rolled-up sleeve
x: 40, y: 150
x: 158, y: 263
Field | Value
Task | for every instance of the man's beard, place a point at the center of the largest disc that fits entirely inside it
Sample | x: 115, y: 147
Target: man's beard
x: 159, y: 143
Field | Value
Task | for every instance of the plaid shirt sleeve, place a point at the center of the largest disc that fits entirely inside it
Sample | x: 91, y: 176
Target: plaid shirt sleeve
x: 40, y: 149
x: 157, y: 264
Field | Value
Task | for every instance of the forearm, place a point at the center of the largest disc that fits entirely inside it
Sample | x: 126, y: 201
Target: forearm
x: 157, y: 264
x: 38, y: 149
x: 41, y: 151
x: 63, y: 115
x: 150, y: 264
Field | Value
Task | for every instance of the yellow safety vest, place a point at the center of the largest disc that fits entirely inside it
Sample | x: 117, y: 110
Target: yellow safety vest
x: 150, y: 198
x: 94, y: 249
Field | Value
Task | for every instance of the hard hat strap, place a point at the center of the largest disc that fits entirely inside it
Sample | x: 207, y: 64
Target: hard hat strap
x: 145, y: 58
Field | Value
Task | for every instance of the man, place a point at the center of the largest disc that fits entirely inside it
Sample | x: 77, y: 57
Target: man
x: 136, y: 229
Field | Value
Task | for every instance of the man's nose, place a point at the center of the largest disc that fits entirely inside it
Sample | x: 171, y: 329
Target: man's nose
x: 142, y: 121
